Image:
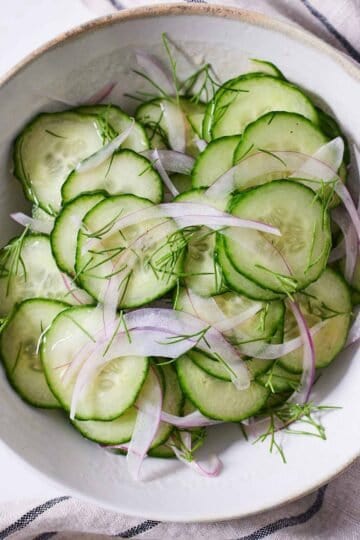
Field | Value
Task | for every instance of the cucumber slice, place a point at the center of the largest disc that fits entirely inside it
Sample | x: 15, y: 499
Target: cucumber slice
x: 120, y: 430
x: 355, y: 298
x: 280, y: 131
x: 237, y: 281
x: 213, y: 367
x: 327, y: 298
x: 244, y: 99
x: 202, y: 273
x: 118, y: 120
x: 49, y: 148
x: 152, y: 117
x: 41, y: 215
x: 219, y: 399
x: 331, y: 128
x: 278, y: 379
x: 124, y: 172
x: 28, y: 270
x: 64, y: 234
x: 263, y: 66
x: 18, y: 346
x: 182, y: 182
x: 151, y: 268
x: 259, y: 328
x: 172, y: 403
x: 295, y: 259
x: 162, y: 451
x: 214, y: 161
x: 117, y: 431
x: 113, y: 390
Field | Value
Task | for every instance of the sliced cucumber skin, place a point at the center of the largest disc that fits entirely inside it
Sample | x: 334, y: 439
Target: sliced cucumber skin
x: 280, y: 130
x: 119, y: 121
x: 36, y: 250
x: 264, y: 66
x: 237, y: 281
x: 63, y: 237
x: 134, y: 293
x: 213, y: 367
x: 229, y: 122
x: 162, y: 452
x: 214, y: 161
x: 38, y: 394
x: 331, y: 128
x: 150, y: 114
x: 50, y: 201
x: 294, y: 193
x: 100, y: 400
x: 332, y: 290
x: 211, y: 396
x: 144, y: 181
x: 173, y: 402
x: 119, y: 430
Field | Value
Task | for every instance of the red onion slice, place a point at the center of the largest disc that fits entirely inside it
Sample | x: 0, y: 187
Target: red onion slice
x: 172, y: 161
x: 105, y: 152
x: 195, y: 419
x: 351, y: 241
x: 74, y: 291
x: 36, y: 225
x: 301, y: 395
x: 156, y: 71
x: 354, y: 333
x: 338, y: 252
x: 154, y: 332
x: 209, y: 468
x: 101, y: 94
x: 162, y: 172
x: 200, y: 144
x: 149, y: 405
x: 207, y: 309
x: 175, y: 123
x: 186, y: 215
x: 272, y: 352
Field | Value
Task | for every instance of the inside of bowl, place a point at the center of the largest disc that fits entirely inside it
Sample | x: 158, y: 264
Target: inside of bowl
x: 71, y: 71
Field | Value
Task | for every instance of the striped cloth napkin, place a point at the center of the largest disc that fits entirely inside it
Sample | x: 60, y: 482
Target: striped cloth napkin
x: 332, y: 512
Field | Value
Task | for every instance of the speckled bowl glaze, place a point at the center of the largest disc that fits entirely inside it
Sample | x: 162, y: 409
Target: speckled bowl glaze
x: 73, y: 67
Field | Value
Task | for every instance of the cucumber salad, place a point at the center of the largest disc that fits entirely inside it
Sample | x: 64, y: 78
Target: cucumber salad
x: 191, y: 263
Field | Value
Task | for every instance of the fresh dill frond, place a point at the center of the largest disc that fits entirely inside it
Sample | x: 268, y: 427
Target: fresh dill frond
x: 173, y: 65
x: 273, y: 155
x: 283, y: 416
x: 55, y: 134
x: 80, y: 326
x: 11, y: 260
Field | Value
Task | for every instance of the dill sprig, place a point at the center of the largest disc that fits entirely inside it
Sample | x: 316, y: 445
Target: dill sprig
x: 173, y: 64
x: 11, y: 260
x: 53, y: 134
x: 197, y: 440
x: 281, y: 417
x: 288, y: 283
x: 273, y: 155
x: 199, y: 336
x: 105, y: 228
x: 80, y: 326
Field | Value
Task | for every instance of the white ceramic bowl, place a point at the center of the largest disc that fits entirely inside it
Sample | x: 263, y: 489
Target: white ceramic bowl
x: 73, y: 67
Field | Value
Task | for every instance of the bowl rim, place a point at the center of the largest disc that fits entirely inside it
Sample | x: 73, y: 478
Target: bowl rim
x: 214, y: 10
x: 199, y: 9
